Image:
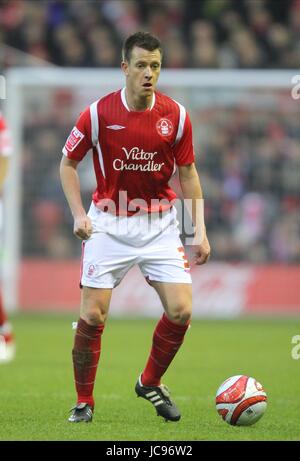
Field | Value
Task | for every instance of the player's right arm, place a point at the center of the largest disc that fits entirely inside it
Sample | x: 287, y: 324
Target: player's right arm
x: 78, y: 144
x: 71, y: 187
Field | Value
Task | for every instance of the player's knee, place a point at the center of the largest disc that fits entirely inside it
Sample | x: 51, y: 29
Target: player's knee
x: 94, y: 316
x: 181, y: 316
x: 184, y: 316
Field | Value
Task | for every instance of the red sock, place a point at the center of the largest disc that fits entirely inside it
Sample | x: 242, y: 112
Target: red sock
x: 3, y: 318
x: 86, y: 353
x: 167, y: 339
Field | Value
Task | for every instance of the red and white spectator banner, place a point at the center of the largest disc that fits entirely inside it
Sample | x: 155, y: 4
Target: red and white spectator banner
x: 220, y: 290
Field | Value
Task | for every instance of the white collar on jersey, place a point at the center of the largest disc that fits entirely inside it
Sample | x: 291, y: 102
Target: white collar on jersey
x: 123, y: 98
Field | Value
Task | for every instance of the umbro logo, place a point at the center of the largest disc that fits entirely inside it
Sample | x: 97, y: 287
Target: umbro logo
x: 115, y: 127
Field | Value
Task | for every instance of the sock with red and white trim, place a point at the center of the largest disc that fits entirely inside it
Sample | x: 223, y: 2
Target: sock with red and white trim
x: 167, y: 339
x: 86, y: 354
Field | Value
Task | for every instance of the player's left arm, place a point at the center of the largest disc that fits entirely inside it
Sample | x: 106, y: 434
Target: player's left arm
x: 192, y: 191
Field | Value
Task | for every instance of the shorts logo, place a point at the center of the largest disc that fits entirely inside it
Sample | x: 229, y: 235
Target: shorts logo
x: 91, y: 270
x: 164, y: 127
x: 74, y: 139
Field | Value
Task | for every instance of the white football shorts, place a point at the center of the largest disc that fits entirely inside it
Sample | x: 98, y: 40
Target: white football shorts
x: 119, y: 242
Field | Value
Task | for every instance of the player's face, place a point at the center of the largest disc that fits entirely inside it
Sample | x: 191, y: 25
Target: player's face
x: 142, y: 71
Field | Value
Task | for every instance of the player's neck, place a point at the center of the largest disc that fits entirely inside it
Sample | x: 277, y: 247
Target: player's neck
x: 136, y: 103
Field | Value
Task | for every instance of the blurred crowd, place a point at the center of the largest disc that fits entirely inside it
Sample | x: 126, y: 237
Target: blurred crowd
x: 249, y: 165
x: 248, y: 155
x: 195, y: 33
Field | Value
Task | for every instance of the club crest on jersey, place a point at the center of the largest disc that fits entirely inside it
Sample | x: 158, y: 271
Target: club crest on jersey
x: 74, y: 139
x: 164, y: 127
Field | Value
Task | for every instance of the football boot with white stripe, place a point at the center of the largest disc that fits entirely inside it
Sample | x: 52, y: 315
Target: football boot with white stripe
x: 81, y: 412
x: 159, y: 396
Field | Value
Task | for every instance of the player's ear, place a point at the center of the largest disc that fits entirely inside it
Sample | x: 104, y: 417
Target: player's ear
x: 125, y: 68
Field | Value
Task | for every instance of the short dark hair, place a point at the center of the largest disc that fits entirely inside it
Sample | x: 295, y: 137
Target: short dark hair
x: 143, y: 40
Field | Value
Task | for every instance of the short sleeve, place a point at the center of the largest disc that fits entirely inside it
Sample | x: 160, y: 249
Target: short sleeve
x: 79, y: 141
x: 184, y: 149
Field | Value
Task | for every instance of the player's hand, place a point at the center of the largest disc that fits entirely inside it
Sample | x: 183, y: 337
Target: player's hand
x: 83, y: 227
x: 202, y: 252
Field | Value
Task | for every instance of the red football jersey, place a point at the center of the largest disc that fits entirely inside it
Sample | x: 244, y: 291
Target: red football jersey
x: 5, y: 144
x: 134, y: 153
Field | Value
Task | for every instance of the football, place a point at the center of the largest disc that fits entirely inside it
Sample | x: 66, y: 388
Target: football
x: 241, y: 400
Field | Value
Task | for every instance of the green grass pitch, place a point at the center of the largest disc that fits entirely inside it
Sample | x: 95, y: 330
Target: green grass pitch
x: 37, y: 389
